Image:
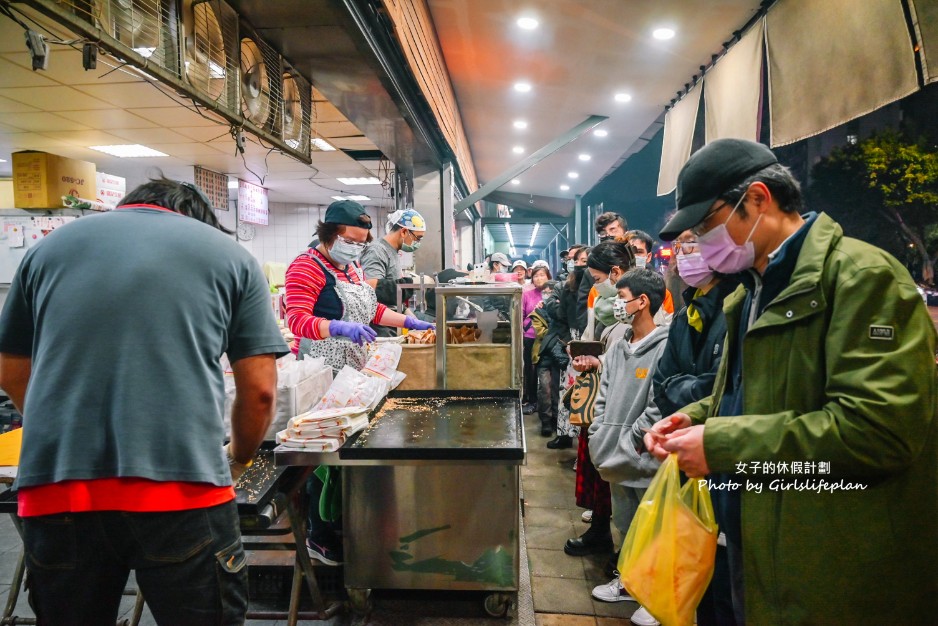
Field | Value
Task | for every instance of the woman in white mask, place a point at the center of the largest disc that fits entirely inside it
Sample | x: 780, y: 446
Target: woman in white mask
x: 607, y: 263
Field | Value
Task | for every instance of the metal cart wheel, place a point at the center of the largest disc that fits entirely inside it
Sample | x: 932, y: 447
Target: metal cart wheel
x: 497, y: 604
x: 360, y: 601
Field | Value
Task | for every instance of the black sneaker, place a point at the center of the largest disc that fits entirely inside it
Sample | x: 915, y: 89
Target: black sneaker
x: 589, y: 543
x: 328, y: 553
x: 560, y: 442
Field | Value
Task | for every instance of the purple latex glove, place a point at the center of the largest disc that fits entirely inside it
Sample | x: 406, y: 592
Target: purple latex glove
x: 353, y: 331
x: 412, y: 323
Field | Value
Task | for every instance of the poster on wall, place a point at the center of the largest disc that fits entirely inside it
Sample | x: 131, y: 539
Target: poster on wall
x: 252, y: 203
x: 214, y: 186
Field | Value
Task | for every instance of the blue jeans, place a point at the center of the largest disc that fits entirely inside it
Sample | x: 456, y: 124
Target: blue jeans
x: 190, y: 565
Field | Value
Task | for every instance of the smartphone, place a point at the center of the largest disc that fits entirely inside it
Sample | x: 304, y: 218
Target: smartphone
x: 585, y: 348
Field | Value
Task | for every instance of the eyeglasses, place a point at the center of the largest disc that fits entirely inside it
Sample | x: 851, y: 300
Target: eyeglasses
x: 416, y: 238
x: 688, y: 247
x: 700, y: 229
x: 357, y: 244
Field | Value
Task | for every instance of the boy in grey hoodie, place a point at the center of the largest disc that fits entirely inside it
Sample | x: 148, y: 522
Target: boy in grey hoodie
x: 626, y: 396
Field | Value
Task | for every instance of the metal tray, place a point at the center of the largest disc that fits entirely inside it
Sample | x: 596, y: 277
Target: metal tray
x: 435, y: 425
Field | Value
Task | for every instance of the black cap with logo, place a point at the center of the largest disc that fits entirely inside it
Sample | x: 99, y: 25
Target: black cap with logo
x: 709, y: 173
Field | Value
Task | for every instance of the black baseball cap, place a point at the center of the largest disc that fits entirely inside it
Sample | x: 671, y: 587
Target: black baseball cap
x: 347, y: 213
x: 709, y: 173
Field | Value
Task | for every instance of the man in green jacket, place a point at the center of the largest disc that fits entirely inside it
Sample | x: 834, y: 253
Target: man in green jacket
x: 822, y: 420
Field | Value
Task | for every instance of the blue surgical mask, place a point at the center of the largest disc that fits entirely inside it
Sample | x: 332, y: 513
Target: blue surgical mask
x: 344, y: 252
x: 410, y: 247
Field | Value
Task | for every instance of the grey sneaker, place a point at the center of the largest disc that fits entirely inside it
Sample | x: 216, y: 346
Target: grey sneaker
x: 613, y: 591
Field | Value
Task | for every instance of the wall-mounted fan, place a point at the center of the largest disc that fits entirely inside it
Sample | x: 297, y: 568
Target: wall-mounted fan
x: 255, y: 83
x: 137, y: 24
x: 207, y: 66
x: 297, y: 102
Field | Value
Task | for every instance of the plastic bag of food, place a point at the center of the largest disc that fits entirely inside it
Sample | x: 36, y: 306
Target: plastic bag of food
x: 667, y: 557
x: 383, y: 360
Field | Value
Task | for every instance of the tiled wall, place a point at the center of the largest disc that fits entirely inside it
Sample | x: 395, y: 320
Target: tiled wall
x: 290, y: 229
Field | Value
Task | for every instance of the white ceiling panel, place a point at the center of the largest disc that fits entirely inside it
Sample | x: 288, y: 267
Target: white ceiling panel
x: 41, y: 122
x: 185, y: 150
x: 171, y: 116
x: 148, y: 136
x: 12, y: 106
x: 12, y: 75
x: 65, y: 67
x: 108, y: 119
x: 204, y: 133
x: 130, y: 95
x: 59, y: 98
x: 86, y: 138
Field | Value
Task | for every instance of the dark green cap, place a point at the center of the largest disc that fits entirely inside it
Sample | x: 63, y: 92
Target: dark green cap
x: 710, y: 172
x: 347, y: 213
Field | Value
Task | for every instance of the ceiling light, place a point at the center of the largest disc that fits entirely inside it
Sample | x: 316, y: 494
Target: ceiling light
x: 533, y: 235
x: 663, y: 33
x: 134, y: 150
x: 511, y: 240
x: 233, y: 183
x: 322, y: 144
x: 523, y: 87
x: 584, y: 157
x: 573, y: 175
x: 527, y: 23
x: 520, y: 124
x: 358, y: 198
x: 518, y: 149
x: 515, y: 181
x: 530, y: 251
x: 364, y: 180
x: 565, y: 188
x: 215, y: 70
x: 3, y: 160
x: 146, y: 53
x: 339, y: 198
x: 599, y: 132
x: 623, y: 97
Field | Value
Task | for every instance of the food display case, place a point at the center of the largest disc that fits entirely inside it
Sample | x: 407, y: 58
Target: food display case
x: 483, y: 340
x: 431, y: 494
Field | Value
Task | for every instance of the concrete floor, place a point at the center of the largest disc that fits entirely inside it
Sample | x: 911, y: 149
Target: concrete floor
x: 555, y: 590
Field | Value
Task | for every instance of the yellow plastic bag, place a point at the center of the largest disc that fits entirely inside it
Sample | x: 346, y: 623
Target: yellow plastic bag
x: 667, y: 557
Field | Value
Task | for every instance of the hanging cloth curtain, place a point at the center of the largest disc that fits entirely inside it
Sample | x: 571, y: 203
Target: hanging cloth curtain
x: 833, y: 61
x: 733, y: 90
x: 678, y: 134
x: 925, y: 18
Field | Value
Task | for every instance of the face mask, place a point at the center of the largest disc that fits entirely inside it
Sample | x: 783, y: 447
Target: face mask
x: 570, y: 266
x: 578, y: 270
x: 722, y: 253
x: 619, y: 312
x: 343, y: 252
x: 410, y: 247
x: 693, y: 269
x: 607, y: 288
x: 640, y: 262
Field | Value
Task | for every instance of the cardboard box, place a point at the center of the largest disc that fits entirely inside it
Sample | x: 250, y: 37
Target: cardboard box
x: 41, y: 179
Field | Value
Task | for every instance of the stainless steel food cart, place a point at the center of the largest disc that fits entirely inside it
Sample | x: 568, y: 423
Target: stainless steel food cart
x: 430, y: 495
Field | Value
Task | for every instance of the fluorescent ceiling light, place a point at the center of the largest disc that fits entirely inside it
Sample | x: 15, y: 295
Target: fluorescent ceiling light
x: 511, y: 240
x: 232, y: 183
x: 339, y: 198
x: 584, y: 157
x: 359, y: 198
x: 515, y: 181
x: 520, y: 124
x: 518, y: 149
x: 3, y: 160
x: 523, y: 87
x: 322, y: 144
x: 573, y: 175
x: 599, y: 132
x: 533, y: 236
x: 623, y: 97
x: 215, y: 70
x: 663, y: 33
x: 130, y: 151
x: 364, y: 180
x: 565, y: 188
x: 146, y: 53
x: 527, y: 23
x: 530, y: 251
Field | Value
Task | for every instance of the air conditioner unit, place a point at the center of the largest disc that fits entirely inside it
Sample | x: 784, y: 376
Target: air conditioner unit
x: 210, y: 37
x: 261, y: 82
x: 297, y: 110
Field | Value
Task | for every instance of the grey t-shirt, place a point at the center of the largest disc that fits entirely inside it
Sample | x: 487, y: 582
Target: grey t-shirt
x: 126, y: 315
x: 380, y: 260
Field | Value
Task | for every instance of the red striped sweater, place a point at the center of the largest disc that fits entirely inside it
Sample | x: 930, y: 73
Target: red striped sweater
x: 305, y: 280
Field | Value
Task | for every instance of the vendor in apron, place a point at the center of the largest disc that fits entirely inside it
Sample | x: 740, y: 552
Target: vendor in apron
x: 329, y: 307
